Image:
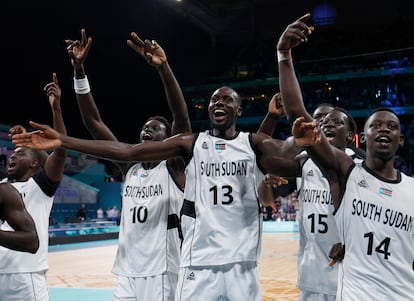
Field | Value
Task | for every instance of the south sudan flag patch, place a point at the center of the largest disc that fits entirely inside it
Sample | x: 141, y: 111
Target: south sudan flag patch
x: 220, y: 146
x: 385, y: 191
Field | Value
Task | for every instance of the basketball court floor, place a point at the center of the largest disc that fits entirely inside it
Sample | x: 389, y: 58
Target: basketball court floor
x: 82, y: 271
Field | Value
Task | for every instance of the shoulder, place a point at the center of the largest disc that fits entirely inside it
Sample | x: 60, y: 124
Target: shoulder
x: 8, y: 193
x: 258, y: 138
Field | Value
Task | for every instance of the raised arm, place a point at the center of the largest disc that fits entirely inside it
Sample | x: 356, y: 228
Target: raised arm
x: 155, y: 56
x: 78, y: 51
x: 295, y: 34
x: 56, y: 161
x: 47, y: 138
x: 274, y: 111
x: 334, y: 162
x: 24, y: 238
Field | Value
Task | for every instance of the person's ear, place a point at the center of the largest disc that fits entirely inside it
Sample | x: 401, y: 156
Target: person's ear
x: 402, y: 140
x: 350, y: 137
x: 362, y: 139
x: 239, y: 111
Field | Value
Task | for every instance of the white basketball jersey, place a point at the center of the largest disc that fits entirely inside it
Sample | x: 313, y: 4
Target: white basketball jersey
x: 149, y: 237
x: 221, y: 216
x: 318, y: 231
x: 376, y: 221
x: 39, y: 205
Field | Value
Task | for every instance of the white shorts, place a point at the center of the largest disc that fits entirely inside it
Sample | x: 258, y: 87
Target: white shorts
x: 24, y: 286
x: 154, y: 288
x: 230, y: 282
x: 313, y: 296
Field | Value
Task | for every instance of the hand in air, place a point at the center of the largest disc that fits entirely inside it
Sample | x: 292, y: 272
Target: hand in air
x: 54, y: 92
x: 275, y: 107
x: 150, y: 50
x: 295, y: 33
x: 78, y: 50
x: 305, y: 133
x: 17, y: 129
x: 43, y: 138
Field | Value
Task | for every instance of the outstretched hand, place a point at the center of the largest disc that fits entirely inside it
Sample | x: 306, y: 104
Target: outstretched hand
x: 17, y: 129
x: 305, y: 133
x: 43, y: 138
x: 295, y: 33
x: 150, y: 50
x: 78, y: 50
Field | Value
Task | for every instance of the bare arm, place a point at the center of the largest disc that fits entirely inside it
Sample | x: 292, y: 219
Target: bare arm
x: 275, y: 110
x: 333, y: 162
x: 24, y: 237
x: 295, y: 34
x: 78, y: 51
x: 155, y: 55
x: 48, y: 138
x: 56, y: 161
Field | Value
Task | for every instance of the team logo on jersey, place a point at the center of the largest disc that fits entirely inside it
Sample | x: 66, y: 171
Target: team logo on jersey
x: 363, y: 184
x: 135, y: 170
x: 220, y: 146
x: 385, y: 191
x: 309, y: 173
x: 204, y: 145
x: 191, y: 276
x: 144, y: 175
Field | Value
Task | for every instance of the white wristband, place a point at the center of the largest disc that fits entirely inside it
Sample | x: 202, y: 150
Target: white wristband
x: 284, y: 55
x: 81, y: 85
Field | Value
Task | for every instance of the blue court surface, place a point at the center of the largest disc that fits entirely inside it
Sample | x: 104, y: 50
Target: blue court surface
x: 97, y: 294
x: 80, y: 294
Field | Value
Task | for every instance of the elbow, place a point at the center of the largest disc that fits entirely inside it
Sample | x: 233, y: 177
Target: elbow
x: 33, y: 246
x: 291, y: 118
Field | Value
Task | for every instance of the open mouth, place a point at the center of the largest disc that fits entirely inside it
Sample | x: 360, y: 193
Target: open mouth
x: 329, y: 135
x: 383, y: 140
x: 219, y: 114
x: 147, y: 136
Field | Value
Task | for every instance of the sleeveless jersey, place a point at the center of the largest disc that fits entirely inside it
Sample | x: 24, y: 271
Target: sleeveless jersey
x: 376, y: 221
x: 221, y: 217
x: 149, y: 236
x: 39, y: 204
x: 318, y: 231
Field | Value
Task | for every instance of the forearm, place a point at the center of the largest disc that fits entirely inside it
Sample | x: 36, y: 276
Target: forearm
x: 175, y: 99
x: 291, y: 92
x: 24, y: 241
x: 268, y: 124
x: 266, y: 194
x: 79, y: 71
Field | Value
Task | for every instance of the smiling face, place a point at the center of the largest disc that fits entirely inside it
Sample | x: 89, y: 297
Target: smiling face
x: 336, y: 127
x: 321, y: 111
x: 224, y: 108
x: 382, y: 134
x: 153, y: 130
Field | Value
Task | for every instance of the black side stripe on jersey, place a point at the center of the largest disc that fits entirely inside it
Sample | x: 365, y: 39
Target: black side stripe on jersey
x: 188, y: 209
x: 173, y: 221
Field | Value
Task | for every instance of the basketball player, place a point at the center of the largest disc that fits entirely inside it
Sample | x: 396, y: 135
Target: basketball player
x: 372, y: 210
x: 24, y: 237
x: 221, y: 216
x: 147, y: 259
x: 36, y: 180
